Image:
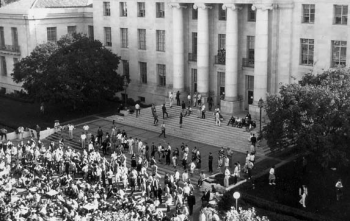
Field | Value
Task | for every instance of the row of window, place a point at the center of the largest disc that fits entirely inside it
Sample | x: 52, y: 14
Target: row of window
x: 141, y: 33
x: 160, y: 12
x: 340, y: 14
x: 141, y: 9
x: 52, y: 32
x: 161, y: 72
x: 3, y: 65
x: 14, y: 35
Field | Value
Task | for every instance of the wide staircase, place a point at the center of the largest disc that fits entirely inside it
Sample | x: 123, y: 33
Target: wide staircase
x: 194, y: 128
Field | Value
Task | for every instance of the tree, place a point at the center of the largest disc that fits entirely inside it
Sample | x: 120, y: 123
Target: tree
x: 75, y: 71
x: 312, y: 116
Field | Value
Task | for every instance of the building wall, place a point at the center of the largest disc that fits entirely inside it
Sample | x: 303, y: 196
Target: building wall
x: 32, y: 30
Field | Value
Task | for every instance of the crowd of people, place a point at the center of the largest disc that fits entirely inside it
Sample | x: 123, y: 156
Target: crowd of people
x: 44, y: 181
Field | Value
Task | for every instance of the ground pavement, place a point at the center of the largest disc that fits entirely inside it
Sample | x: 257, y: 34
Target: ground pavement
x: 149, y: 137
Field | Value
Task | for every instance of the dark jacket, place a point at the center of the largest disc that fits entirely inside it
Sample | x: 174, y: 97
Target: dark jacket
x: 191, y: 200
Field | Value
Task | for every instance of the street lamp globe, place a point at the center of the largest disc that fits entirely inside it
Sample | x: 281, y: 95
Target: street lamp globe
x: 236, y: 195
x: 261, y: 103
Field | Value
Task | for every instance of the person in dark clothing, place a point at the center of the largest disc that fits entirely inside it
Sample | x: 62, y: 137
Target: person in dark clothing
x: 231, y: 121
x: 178, y: 98
x: 191, y: 201
x: 159, y: 194
x: 99, y: 135
x: 167, y: 157
x: 210, y: 161
x: 164, y: 111
x: 38, y: 129
x: 210, y: 102
x: 253, y: 140
x: 181, y: 116
x: 183, y: 105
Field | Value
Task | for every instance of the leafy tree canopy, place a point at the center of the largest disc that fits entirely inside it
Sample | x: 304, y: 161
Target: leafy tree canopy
x: 74, y: 71
x: 313, y: 116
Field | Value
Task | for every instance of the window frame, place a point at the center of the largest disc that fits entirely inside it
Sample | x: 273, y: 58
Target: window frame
x: 339, y: 60
x: 161, y: 72
x: 142, y: 39
x: 106, y: 9
x: 194, y: 13
x: 221, y: 41
x: 70, y: 31
x: 123, y: 6
x: 160, y: 10
x: 14, y: 35
x: 51, y: 34
x: 3, y: 66
x: 141, y: 9
x: 250, y: 13
x: 124, y: 37
x: 143, y: 72
x: 108, y: 36
x: 251, y: 47
x: 126, y: 67
x: 222, y: 14
x: 91, y: 32
x: 310, y: 19
x: 160, y: 38
x: 2, y: 36
x: 309, y: 45
x: 342, y: 15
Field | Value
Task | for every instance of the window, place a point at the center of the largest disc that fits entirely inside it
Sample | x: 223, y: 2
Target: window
x: 125, y: 67
x: 251, y: 14
x: 142, y: 99
x: 160, y: 10
x: 2, y: 37
x: 124, y: 37
x: 91, y: 32
x: 194, y: 13
x: 222, y: 13
x: 108, y: 36
x: 143, y: 72
x: 222, y: 41
x: 71, y: 29
x: 141, y: 9
x: 194, y: 43
x: 160, y: 40
x: 3, y: 67
x: 106, y: 9
x: 221, y: 80
x: 340, y: 14
x: 194, y: 79
x: 123, y: 9
x: 251, y: 47
x: 161, y: 70
x: 142, y: 39
x: 307, y: 51
x: 308, y: 14
x: 52, y: 34
x: 338, y: 53
x: 14, y: 37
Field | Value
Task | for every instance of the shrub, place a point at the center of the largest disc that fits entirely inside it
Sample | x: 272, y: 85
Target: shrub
x: 130, y: 101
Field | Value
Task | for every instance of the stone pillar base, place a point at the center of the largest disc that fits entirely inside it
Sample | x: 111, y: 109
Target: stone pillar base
x: 254, y: 111
x: 230, y: 107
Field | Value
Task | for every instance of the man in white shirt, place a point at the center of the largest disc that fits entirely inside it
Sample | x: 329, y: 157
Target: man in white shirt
x: 137, y: 109
x: 70, y: 129
x: 83, y: 138
x: 203, y: 111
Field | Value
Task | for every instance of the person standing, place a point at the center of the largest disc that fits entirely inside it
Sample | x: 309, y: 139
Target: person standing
x: 210, y: 162
x: 272, y: 176
x: 70, y: 130
x: 99, y: 135
x: 181, y: 116
x: 189, y: 99
x: 38, y: 129
x: 191, y: 201
x: 183, y: 106
x: 217, y: 119
x: 195, y: 99
x: 203, y: 111
x: 163, y: 130
x: 164, y: 111
x: 253, y: 140
x: 178, y: 98
x: 210, y: 102
x: 303, y: 192
x: 227, y: 177
x: 137, y: 109
x: 199, y: 99
x: 83, y: 138
x: 155, y: 116
x: 171, y: 99
x: 339, y: 189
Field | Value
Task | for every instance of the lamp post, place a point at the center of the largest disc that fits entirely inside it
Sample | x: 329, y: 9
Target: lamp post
x: 236, y: 195
x: 260, y: 105
x: 125, y: 85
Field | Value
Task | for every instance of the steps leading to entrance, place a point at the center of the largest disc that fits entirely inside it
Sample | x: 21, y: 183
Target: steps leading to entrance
x: 194, y: 128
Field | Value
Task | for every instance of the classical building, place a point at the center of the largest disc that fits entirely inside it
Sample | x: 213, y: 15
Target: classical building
x: 27, y: 23
x: 244, y: 48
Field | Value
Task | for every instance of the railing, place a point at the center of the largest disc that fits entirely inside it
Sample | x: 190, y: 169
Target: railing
x: 248, y: 62
x: 192, y: 57
x: 220, y: 59
x: 10, y: 48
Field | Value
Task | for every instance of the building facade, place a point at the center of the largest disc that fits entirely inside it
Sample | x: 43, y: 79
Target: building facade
x: 242, y: 48
x: 28, y: 23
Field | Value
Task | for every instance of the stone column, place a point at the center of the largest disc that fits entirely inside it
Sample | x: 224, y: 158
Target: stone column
x: 261, y: 55
x: 178, y: 48
x: 231, y: 104
x: 203, y: 49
